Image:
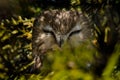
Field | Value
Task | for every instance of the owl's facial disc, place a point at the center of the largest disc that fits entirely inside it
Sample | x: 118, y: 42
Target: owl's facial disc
x: 59, y: 37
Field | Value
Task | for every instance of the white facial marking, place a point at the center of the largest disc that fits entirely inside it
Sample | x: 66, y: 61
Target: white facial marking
x: 41, y: 37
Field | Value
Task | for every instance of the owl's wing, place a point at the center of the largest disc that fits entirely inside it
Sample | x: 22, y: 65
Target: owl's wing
x: 41, y: 43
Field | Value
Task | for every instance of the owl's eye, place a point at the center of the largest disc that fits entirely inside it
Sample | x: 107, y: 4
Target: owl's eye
x: 75, y: 30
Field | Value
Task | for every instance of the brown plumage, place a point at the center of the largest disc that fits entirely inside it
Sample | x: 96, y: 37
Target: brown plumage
x: 54, y: 27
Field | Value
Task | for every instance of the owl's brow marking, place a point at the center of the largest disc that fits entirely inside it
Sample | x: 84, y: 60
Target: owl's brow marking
x: 40, y: 37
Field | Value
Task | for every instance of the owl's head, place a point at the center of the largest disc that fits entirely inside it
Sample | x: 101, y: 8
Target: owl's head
x: 63, y: 26
x: 56, y: 27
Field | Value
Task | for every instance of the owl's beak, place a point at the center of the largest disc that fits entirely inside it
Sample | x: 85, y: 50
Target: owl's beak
x: 60, y: 41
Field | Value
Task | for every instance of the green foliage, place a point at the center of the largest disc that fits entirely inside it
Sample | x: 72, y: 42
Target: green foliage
x: 15, y: 46
x: 111, y: 65
x: 69, y: 64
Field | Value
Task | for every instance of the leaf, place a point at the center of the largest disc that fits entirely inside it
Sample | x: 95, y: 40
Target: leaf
x: 14, y: 32
x: 5, y: 37
x: 8, y: 46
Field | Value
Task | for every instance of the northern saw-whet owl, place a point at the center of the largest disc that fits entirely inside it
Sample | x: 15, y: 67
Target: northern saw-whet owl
x: 55, y: 27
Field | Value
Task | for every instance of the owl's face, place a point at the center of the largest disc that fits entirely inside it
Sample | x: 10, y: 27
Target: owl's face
x: 58, y: 26
x: 61, y: 26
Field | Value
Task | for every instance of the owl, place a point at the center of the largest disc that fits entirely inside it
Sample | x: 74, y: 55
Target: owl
x: 55, y: 27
